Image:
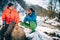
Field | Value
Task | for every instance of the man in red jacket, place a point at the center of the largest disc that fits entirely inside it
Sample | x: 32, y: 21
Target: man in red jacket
x: 10, y: 18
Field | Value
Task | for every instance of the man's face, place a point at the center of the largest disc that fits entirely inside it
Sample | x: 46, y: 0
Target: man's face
x: 29, y: 11
x: 11, y: 7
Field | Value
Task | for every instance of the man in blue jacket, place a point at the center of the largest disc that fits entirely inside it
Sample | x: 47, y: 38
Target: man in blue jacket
x: 31, y: 18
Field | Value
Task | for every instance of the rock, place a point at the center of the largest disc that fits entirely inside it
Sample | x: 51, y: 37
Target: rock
x: 18, y: 33
x: 56, y: 38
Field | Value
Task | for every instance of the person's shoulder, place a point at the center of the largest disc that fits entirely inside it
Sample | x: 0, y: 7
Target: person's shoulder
x: 15, y: 10
x: 34, y: 12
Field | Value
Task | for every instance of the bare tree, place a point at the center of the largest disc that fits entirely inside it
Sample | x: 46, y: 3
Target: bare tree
x: 52, y: 5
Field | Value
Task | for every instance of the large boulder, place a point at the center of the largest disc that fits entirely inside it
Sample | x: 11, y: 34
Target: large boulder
x: 18, y: 33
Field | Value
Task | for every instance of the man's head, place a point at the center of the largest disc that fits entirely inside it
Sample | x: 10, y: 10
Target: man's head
x: 30, y: 10
x: 10, y: 5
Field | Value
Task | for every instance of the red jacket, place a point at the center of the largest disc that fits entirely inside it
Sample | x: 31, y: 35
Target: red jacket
x: 10, y: 15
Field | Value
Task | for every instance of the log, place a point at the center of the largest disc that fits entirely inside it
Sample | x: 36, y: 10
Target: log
x: 18, y: 33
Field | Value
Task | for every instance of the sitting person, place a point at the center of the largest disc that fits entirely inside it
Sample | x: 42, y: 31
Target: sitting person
x: 10, y: 18
x: 31, y: 18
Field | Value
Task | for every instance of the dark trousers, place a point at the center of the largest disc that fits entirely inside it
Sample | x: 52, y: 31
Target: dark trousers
x: 6, y: 31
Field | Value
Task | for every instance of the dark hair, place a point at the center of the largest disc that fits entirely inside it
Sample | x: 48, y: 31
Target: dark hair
x: 31, y: 9
x: 10, y: 4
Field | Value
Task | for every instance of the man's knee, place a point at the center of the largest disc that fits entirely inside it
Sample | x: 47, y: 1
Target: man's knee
x: 32, y: 25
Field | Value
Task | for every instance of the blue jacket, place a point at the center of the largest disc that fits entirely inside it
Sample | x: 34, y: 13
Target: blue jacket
x: 31, y: 17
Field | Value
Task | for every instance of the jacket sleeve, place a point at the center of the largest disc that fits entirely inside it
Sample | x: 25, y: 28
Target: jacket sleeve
x: 3, y: 15
x: 17, y: 18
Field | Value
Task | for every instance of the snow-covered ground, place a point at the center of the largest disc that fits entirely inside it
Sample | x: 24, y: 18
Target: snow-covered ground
x: 46, y: 20
x: 0, y: 17
x: 53, y: 22
x: 43, y: 27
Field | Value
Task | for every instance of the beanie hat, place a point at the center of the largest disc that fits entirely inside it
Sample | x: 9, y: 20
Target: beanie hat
x: 10, y: 4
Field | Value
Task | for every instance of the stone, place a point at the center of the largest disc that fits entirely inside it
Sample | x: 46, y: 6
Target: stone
x: 18, y: 33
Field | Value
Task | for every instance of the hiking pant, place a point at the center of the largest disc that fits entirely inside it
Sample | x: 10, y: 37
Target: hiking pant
x: 32, y: 25
x: 6, y: 31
